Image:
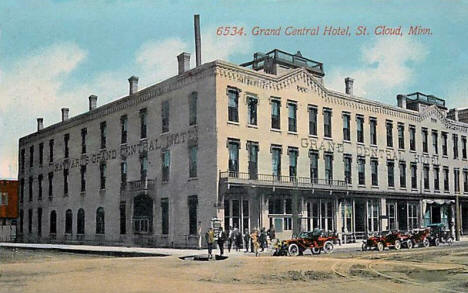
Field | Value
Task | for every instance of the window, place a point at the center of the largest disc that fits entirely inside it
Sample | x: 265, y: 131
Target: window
x: 327, y: 122
x: 391, y: 173
x: 374, y: 172
x: 31, y: 156
x: 84, y: 131
x: 293, y: 153
x: 392, y: 215
x: 53, y: 222
x: 436, y: 178
x: 329, y: 167
x: 252, y: 108
x: 51, y: 179
x: 446, y: 179
x: 3, y: 198
x: 424, y: 139
x: 233, y: 105
x: 233, y: 148
x: 123, y: 218
x: 30, y: 187
x: 361, y: 170
x: 166, y: 163
x: 100, y: 223
x: 51, y: 151
x: 426, y: 177
x: 347, y: 168
x: 465, y: 180
x: 68, y: 222
x: 39, y: 222
x: 103, y: 134
x: 435, y: 142
x: 346, y: 126
x: 83, y: 178
x: 193, y: 108
x: 389, y: 126
x: 41, y: 154
x: 123, y: 174
x: 281, y: 208
x: 444, y: 143
x: 66, y: 140
x: 412, y: 136
x: 143, y: 166
x: 313, y: 155
x: 276, y: 161
x: 456, y: 179
x: 414, y: 176
x: 292, y: 116
x: 193, y: 222
x: 165, y: 116
x: 65, y: 182
x: 360, y: 128
x: 165, y: 216
x: 123, y: 129
x: 313, y: 120
x: 193, y: 157
x: 373, y: 130
x: 402, y: 174
x: 463, y: 139
x: 102, y: 173
x: 21, y: 189
x: 252, y: 148
x: 40, y: 179
x: 22, y: 159
x: 413, y: 216
x: 275, y: 114
x: 401, y: 136
x: 30, y: 215
x: 80, y: 222
x: 455, y: 146
x: 143, y: 123
x: 373, y: 215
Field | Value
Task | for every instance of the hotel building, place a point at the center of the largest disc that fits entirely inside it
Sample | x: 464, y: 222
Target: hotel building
x: 260, y: 144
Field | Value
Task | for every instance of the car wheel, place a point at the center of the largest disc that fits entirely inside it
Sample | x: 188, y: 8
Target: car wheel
x: 397, y: 244
x: 426, y: 242
x: 315, y: 250
x: 409, y: 244
x: 364, y: 247
x: 380, y: 246
x: 436, y: 242
x: 293, y: 249
x: 328, y: 247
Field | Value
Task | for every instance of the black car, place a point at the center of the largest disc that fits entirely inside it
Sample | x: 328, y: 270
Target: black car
x: 439, y: 234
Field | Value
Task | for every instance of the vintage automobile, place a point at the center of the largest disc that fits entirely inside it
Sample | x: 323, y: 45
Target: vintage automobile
x: 439, y: 234
x: 317, y: 241
x: 389, y: 239
x: 419, y: 237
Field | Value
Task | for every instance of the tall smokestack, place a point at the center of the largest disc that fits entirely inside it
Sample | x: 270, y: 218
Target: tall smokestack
x: 196, y: 21
x: 64, y: 114
x: 40, y: 124
x: 92, y: 102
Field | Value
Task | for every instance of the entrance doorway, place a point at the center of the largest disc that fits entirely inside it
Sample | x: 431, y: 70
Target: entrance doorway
x: 360, y: 212
x: 402, y: 216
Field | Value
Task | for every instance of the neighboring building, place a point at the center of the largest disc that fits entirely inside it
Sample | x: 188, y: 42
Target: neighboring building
x: 254, y: 147
x: 8, y: 209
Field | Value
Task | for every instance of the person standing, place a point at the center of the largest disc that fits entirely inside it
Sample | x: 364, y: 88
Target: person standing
x: 221, y: 239
x: 263, y: 239
x: 230, y: 234
x: 255, y: 244
x: 209, y: 237
x: 246, y: 239
x: 237, y: 238
x: 272, y: 233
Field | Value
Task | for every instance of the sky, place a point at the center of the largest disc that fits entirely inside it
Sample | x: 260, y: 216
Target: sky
x: 55, y: 54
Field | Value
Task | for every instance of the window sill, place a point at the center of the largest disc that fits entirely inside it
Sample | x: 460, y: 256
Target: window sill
x: 83, y: 193
x: 292, y: 132
x: 51, y: 198
x: 436, y: 191
x: 165, y: 182
x: 390, y: 148
x: 391, y: 188
x: 123, y: 143
x: 375, y: 187
x: 275, y: 130
x: 143, y: 138
x: 403, y: 188
x: 427, y: 190
x: 252, y: 126
x: 362, y: 144
x: 328, y: 138
x: 444, y: 157
x: 361, y: 186
x: 192, y: 178
x: 102, y: 191
x: 446, y: 191
x: 414, y: 190
x: 65, y: 195
x: 233, y: 123
x: 413, y: 151
x: 346, y: 141
x: 313, y: 135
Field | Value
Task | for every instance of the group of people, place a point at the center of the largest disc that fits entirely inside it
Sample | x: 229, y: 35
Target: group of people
x: 255, y: 239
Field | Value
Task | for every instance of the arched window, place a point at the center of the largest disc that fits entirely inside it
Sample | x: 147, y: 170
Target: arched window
x: 68, y: 222
x: 80, y: 223
x: 53, y: 222
x: 100, y: 221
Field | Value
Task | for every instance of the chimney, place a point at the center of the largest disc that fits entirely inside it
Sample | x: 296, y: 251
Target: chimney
x: 349, y: 85
x: 92, y: 102
x: 40, y: 124
x: 133, y: 81
x: 64, y: 114
x: 401, y: 100
x: 196, y: 22
x: 453, y: 114
x: 184, y: 62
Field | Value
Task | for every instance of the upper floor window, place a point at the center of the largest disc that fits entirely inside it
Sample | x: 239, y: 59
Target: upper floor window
x: 165, y: 116
x: 313, y: 155
x: 51, y: 182
x: 347, y: 168
x: 426, y: 177
x: 275, y: 114
x: 22, y: 160
x: 123, y: 128
x: 435, y: 142
x: 446, y: 179
x: 414, y: 176
x: 143, y: 122
x: 66, y: 140
x: 328, y: 167
x: 293, y: 153
x: 276, y: 161
x: 402, y: 174
x: 292, y: 116
x: 252, y: 148
x: 412, y: 137
x: 436, y: 178
x: 327, y: 122
x: 389, y: 126
x: 252, y: 108
x: 346, y: 126
x: 84, y: 131
x: 51, y: 150
x: 233, y: 148
x: 65, y: 181
x: 444, y: 143
x: 193, y: 158
x: 465, y: 180
x: 123, y: 174
x: 193, y: 108
x: 166, y: 164
x: 463, y: 139
x: 360, y: 128
x: 374, y: 172
x: 455, y: 146
x: 83, y: 178
x: 102, y: 171
x: 401, y: 136
x: 424, y: 140
x: 456, y: 179
x: 361, y: 170
x: 233, y: 105
x: 373, y: 130
x: 143, y: 166
x: 103, y: 134
x: 391, y: 173
x: 31, y: 156
x: 41, y: 153
x: 312, y: 120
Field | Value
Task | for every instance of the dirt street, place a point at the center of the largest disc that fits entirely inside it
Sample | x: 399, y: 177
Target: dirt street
x: 442, y: 269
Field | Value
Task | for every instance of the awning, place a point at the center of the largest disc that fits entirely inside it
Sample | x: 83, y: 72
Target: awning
x: 439, y: 201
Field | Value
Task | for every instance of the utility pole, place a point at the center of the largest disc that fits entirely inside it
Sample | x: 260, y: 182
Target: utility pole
x: 457, y: 217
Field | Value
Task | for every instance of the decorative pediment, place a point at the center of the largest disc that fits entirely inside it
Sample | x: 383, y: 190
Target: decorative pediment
x: 434, y: 112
